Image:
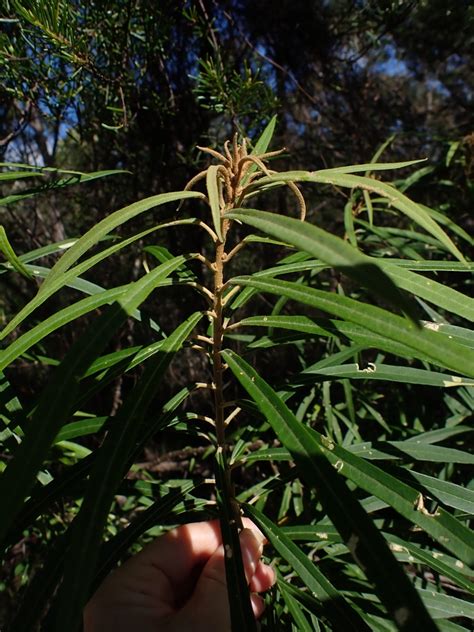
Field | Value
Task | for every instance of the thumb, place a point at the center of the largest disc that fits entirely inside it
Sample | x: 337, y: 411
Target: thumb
x: 209, y: 605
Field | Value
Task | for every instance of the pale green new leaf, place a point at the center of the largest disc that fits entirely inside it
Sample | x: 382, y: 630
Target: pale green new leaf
x: 260, y: 147
x: 212, y: 184
x: 371, y: 166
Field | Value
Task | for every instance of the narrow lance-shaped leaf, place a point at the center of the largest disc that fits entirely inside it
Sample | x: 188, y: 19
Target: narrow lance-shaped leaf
x: 108, y: 224
x: 261, y: 147
x: 372, y: 166
x: 42, y: 498
x: 99, y: 298
x: 414, y: 211
x: 64, y: 316
x: 327, y: 533
x: 57, y: 399
x: 328, y: 328
x: 212, y: 183
x: 380, y: 371
x: 330, y: 249
x: 407, y: 501
x: 67, y: 278
x: 108, y: 470
x: 242, y: 617
x: 333, y: 604
x: 11, y: 256
x: 443, y: 351
x: 440, y: 295
x: 76, y: 177
x: 360, y: 535
x: 15, y: 175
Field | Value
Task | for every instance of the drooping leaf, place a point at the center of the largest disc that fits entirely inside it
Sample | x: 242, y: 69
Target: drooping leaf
x: 71, y: 277
x: 330, y: 249
x: 333, y: 604
x: 414, y: 211
x: 55, y: 404
x: 363, y: 539
x: 106, y: 474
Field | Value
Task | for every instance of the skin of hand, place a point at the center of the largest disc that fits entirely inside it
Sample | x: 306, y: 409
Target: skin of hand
x: 178, y: 583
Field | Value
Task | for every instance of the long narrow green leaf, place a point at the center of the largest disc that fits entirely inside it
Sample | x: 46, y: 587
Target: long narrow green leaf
x: 42, y: 498
x: 443, y: 351
x: 448, y: 531
x: 260, y: 147
x: 265, y: 138
x: 370, y: 166
x: 108, y: 470
x: 330, y: 328
x: 155, y: 278
x: 11, y: 256
x: 80, y: 428
x: 411, y: 451
x: 445, y: 606
x: 76, y: 177
x: 323, y: 533
x: 57, y: 399
x: 241, y: 614
x: 328, y: 248
x: 379, y: 371
x: 40, y: 589
x: 443, y: 527
x: 46, y: 579
x: 414, y: 211
x: 108, y: 224
x: 37, y: 253
x: 53, y: 408
x: 70, y: 278
x: 448, y: 493
x: 64, y: 316
x: 364, y: 541
x: 333, y: 604
x: 429, y: 290
x: 294, y: 609
x: 15, y: 175
x: 212, y: 183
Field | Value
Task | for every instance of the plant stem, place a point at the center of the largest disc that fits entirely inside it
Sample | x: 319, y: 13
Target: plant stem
x: 218, y: 370
x: 218, y: 334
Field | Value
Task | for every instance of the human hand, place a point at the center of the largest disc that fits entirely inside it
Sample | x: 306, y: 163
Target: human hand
x: 178, y: 583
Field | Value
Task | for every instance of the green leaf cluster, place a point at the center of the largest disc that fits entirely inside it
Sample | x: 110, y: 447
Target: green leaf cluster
x: 366, y: 513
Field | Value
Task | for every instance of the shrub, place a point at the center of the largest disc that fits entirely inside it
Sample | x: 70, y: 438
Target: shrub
x: 365, y: 513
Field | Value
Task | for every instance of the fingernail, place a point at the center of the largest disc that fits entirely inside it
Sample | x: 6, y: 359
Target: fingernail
x: 273, y: 569
x: 252, y: 547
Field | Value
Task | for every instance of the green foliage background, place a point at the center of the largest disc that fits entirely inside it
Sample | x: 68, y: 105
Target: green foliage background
x: 102, y: 105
